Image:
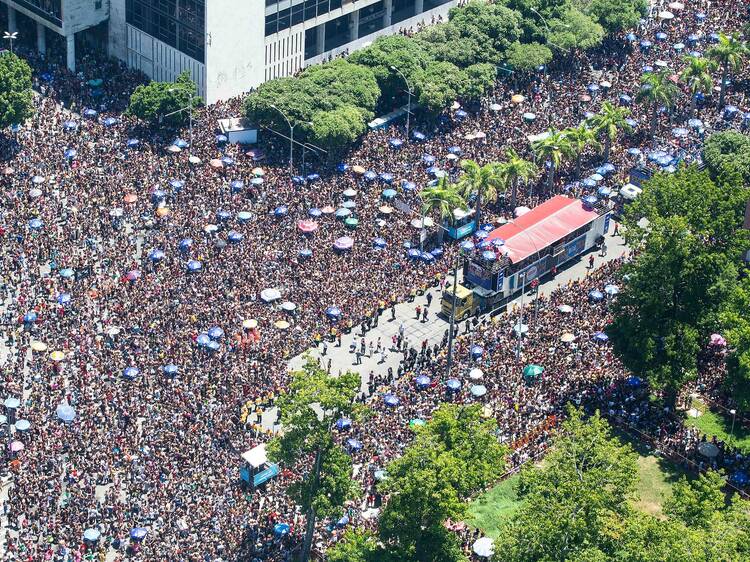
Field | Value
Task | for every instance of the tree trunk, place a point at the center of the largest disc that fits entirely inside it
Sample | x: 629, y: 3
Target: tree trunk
x: 478, y: 209
x: 578, y: 166
x: 654, y: 116
x: 310, y: 531
x: 693, y: 104
x: 551, y: 178
x: 607, y: 147
x: 513, y: 193
x: 724, y: 76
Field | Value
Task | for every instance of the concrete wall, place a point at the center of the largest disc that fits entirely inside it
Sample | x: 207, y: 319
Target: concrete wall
x: 235, y: 47
x: 80, y: 14
x: 118, y: 38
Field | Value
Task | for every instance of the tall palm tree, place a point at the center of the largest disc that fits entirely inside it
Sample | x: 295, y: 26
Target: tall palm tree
x: 657, y: 90
x: 513, y: 169
x: 581, y: 138
x: 609, y: 122
x: 729, y: 54
x: 443, y: 198
x: 485, y: 182
x: 697, y: 77
x: 553, y: 148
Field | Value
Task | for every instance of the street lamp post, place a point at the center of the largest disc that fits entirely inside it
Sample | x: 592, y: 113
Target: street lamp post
x: 291, y: 138
x: 453, y: 315
x: 189, y: 109
x: 734, y: 416
x: 10, y: 37
x: 408, y: 103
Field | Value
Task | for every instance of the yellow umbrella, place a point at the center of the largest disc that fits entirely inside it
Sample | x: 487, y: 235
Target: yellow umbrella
x: 358, y: 170
x: 57, y: 356
x: 38, y: 346
x: 486, y: 412
x: 567, y: 337
x: 162, y: 211
x: 386, y: 210
x: 518, y: 98
x: 282, y: 324
x: 250, y: 323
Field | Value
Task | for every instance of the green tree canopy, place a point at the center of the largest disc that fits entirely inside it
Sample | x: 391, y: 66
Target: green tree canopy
x: 492, y: 25
x: 439, y: 85
x: 483, y: 182
x: 345, y: 84
x: 574, y: 30
x: 528, y: 56
x: 479, y: 79
x: 16, y: 98
x: 617, y: 15
x: 164, y: 102
x: 337, y: 128
x: 446, y: 43
x: 727, y: 155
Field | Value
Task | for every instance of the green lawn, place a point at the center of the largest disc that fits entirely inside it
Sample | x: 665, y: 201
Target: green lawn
x: 713, y: 423
x: 655, y: 479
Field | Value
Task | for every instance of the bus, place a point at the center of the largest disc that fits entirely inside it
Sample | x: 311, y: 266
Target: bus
x: 461, y: 224
x: 515, y: 254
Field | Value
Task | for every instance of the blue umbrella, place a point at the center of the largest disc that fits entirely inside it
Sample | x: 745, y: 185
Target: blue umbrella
x: 604, y: 170
x: 482, y: 234
x: 423, y: 381
x: 661, y: 36
x: 213, y: 346
x: 379, y: 243
x: 343, y: 521
x: 12, y: 403
x: 680, y: 132
x: 281, y: 211
x: 203, y: 340
x: 234, y: 237
x: 177, y: 184
x: 436, y: 252
x: 194, y: 266
x: 389, y: 193
x: 428, y: 159
x: 593, y: 88
x: 386, y: 177
x: 228, y: 161
x: 461, y: 114
x: 370, y: 175
x: 236, y: 185
x: 223, y: 216
x: 158, y: 195
x: 489, y: 255
x: 484, y: 244
x: 600, y: 337
x: 646, y: 69
x: 66, y: 273
x: 646, y: 44
x: 498, y: 242
x: 110, y: 121
x: 63, y: 298
x: 740, y: 478
x: 730, y: 111
x: 343, y: 423
x: 665, y: 160
x: 215, y: 333
x: 632, y: 122
x: 395, y: 143
x: 700, y: 16
x: 244, y: 216
x: 426, y: 256
x: 455, y: 150
x: 453, y: 384
x: 353, y: 445
x: 342, y: 213
x: 138, y: 534
x: 170, y: 370
x: 305, y: 253
x: 156, y: 255
x: 634, y: 381
x: 597, y: 177
x: 257, y: 181
x: 604, y: 191
x: 36, y: 224
x: 634, y: 151
x: 342, y: 167
x: 391, y: 400
x: 625, y: 99
x: 221, y: 139
x: 90, y: 113
x: 131, y: 373
x: 299, y: 180
x: 314, y: 212
x: 30, y: 317
x: 413, y: 253
x: 478, y: 390
x: 440, y: 174
x: 333, y: 312
x: 416, y: 135
x: 631, y: 37
x: 313, y: 177
x: 588, y: 182
x: 611, y: 290
x: 590, y: 200
x: 91, y: 535
x: 70, y: 153
x: 281, y: 529
x: 65, y: 412
x: 596, y: 296
x: 713, y: 38
x: 476, y: 351
x: 185, y: 244
x: 693, y: 38
x: 467, y: 245
x: 408, y: 185
x: 132, y: 143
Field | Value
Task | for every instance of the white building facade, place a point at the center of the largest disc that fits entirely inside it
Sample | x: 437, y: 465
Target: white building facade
x: 229, y: 46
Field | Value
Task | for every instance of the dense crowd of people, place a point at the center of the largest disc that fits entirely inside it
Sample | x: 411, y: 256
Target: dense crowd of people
x: 133, y: 285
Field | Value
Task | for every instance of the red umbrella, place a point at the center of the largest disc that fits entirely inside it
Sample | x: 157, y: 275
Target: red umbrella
x: 308, y: 227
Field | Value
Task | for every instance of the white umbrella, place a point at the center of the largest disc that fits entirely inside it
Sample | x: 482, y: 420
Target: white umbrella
x: 521, y: 211
x: 476, y: 374
x: 523, y: 328
x: 270, y: 295
x: 495, y: 107
x: 676, y: 6
x: 665, y: 15
x: 565, y: 308
x: 484, y: 547
x: 567, y: 337
x: 708, y: 449
x: 288, y: 306
x: 195, y: 160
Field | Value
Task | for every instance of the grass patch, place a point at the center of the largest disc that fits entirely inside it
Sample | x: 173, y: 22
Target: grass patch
x: 714, y: 423
x: 492, y: 508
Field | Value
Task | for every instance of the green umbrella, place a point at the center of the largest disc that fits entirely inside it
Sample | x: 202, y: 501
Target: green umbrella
x: 351, y: 222
x: 96, y: 82
x: 533, y: 371
x: 416, y: 422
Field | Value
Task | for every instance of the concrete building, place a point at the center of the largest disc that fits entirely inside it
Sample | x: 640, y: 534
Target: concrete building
x: 229, y: 46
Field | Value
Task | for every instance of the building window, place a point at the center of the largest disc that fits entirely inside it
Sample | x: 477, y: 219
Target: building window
x: 50, y: 10
x: 178, y: 23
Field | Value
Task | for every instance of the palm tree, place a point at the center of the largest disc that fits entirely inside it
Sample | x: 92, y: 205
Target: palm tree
x: 657, y: 90
x: 553, y: 148
x: 609, y: 122
x: 513, y: 169
x: 729, y: 54
x: 580, y: 138
x: 485, y: 182
x: 443, y: 198
x: 697, y: 76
